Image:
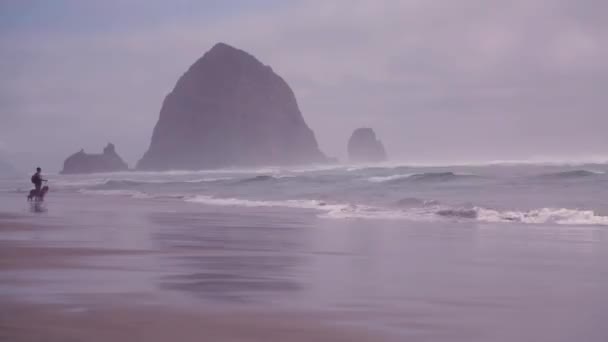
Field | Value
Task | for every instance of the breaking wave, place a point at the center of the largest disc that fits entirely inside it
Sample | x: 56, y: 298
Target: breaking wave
x: 411, y: 209
x: 260, y: 178
x: 571, y: 174
x: 131, y: 194
x: 389, y: 178
x: 560, y: 216
x: 438, y: 176
x: 296, y: 204
x: 118, y: 184
x: 329, y: 210
x: 112, y: 184
x: 544, y: 215
x: 373, y: 192
x: 124, y: 193
x: 429, y: 211
x: 412, y: 202
x: 420, y: 177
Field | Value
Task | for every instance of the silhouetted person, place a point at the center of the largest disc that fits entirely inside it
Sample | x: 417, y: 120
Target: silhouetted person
x: 37, y: 180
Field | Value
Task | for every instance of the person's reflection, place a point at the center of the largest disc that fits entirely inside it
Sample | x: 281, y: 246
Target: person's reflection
x: 37, y: 207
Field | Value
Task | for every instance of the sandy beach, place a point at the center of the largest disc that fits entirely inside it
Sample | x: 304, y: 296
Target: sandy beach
x: 93, y: 315
x: 115, y: 322
x: 127, y: 317
x: 95, y: 268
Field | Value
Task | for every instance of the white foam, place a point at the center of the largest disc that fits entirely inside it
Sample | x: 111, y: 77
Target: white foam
x: 170, y: 181
x: 300, y: 204
x: 211, y: 179
x: 85, y: 183
x: 561, y: 216
x: 79, y: 182
x: 138, y: 175
x: 284, y: 176
x: 389, y: 178
x: 374, y: 213
x: 357, y: 168
x: 125, y: 193
x: 329, y: 210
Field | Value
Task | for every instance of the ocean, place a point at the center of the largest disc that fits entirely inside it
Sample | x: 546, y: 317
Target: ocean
x: 500, y: 252
x: 527, y: 194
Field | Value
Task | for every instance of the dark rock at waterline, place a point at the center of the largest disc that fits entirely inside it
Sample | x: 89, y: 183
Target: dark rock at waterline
x: 81, y: 162
x: 230, y: 110
x: 364, y: 147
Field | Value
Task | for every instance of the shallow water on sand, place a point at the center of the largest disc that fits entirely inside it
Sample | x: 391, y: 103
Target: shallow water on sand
x: 435, y: 281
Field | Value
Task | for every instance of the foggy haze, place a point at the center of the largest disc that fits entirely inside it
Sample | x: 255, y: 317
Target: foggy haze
x: 438, y: 81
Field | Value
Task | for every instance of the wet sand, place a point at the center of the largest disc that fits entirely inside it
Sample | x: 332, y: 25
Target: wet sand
x: 95, y: 316
x: 106, y: 322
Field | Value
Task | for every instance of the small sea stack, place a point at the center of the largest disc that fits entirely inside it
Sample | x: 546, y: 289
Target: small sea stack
x: 364, y: 147
x: 81, y: 162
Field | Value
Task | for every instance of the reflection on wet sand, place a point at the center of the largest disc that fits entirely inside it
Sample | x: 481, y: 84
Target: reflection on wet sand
x: 243, y: 257
x: 38, y: 207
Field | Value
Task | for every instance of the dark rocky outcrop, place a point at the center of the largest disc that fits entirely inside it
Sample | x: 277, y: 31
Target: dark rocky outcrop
x: 364, y: 147
x: 81, y: 162
x: 230, y: 110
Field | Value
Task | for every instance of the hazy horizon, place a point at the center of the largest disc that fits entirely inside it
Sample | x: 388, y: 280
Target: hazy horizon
x: 439, y: 82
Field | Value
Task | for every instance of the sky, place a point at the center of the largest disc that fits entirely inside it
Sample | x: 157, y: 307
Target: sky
x: 439, y: 81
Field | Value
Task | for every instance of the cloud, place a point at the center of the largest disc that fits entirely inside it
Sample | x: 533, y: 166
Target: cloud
x: 434, y: 78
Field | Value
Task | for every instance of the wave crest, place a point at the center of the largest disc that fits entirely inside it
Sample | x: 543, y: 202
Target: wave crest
x: 415, y: 210
x: 382, y: 179
x: 413, y: 202
x: 570, y: 174
x: 420, y: 177
x: 260, y: 178
x: 421, y: 210
x: 561, y: 216
x: 117, y: 192
x: 438, y: 176
x: 118, y: 184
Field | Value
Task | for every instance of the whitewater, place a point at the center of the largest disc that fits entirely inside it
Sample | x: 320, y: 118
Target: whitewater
x: 495, y: 193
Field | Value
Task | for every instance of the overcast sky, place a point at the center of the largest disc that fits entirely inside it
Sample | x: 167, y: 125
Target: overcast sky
x: 438, y: 80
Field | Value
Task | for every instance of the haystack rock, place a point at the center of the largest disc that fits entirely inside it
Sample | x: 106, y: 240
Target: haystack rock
x: 364, y: 147
x: 230, y: 110
x: 81, y: 162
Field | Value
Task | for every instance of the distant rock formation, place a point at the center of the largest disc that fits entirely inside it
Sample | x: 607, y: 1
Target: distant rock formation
x: 364, y: 147
x: 230, y: 110
x: 81, y: 162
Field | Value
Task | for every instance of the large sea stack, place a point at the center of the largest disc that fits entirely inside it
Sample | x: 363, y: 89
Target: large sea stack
x: 364, y: 147
x: 230, y: 110
x: 81, y: 162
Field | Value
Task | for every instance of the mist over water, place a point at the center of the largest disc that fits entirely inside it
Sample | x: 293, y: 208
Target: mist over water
x: 528, y: 194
